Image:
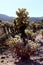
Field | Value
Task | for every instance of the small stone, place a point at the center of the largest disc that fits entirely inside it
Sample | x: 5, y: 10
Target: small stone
x: 13, y: 57
x: 11, y: 60
x: 7, y: 61
x: 5, y: 53
x: 2, y: 57
x: 7, y: 56
x: 2, y: 61
x: 16, y: 60
x: 41, y: 59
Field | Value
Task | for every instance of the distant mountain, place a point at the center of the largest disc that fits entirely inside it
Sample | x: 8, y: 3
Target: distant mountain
x: 5, y: 18
x: 8, y: 18
x: 37, y: 19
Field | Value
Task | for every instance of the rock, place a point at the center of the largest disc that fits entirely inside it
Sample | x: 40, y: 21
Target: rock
x: 41, y: 59
x: 7, y: 56
x: 2, y: 61
x: 2, y: 57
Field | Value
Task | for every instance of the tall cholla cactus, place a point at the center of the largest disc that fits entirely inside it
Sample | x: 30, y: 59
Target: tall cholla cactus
x: 21, y: 43
x: 21, y: 21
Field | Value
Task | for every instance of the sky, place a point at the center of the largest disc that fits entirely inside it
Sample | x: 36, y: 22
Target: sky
x: 9, y: 7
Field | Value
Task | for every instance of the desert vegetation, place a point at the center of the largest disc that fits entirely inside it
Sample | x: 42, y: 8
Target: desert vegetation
x: 21, y: 34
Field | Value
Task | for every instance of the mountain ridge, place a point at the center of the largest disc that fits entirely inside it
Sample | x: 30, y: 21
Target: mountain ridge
x: 9, y: 18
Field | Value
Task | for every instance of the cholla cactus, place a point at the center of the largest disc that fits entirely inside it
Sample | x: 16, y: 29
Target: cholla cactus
x: 28, y: 32
x: 33, y: 36
x: 21, y: 21
x: 32, y: 47
x: 10, y: 42
x: 16, y: 41
x: 22, y: 44
x: 42, y: 32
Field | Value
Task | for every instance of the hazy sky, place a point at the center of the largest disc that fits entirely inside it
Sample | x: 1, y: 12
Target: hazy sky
x: 34, y: 7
